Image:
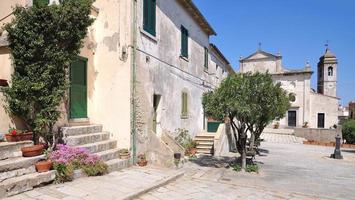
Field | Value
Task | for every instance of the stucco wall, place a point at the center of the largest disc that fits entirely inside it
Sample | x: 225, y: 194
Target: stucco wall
x: 324, y: 135
x: 324, y: 104
x: 161, y: 71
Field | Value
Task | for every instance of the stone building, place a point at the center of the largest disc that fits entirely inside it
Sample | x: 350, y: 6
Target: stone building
x: 352, y: 110
x: 145, y: 63
x: 315, y: 109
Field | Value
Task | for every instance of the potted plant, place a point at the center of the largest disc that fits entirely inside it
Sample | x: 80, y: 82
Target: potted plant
x: 276, y: 125
x: 44, y: 165
x: 305, y: 125
x: 31, y: 151
x: 142, y: 160
x: 192, y: 150
x: 15, y: 135
x: 124, y: 154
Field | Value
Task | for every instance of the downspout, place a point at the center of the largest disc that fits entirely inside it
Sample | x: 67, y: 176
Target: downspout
x: 133, y: 80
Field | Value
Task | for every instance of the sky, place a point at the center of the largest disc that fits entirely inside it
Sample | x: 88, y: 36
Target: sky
x: 298, y: 29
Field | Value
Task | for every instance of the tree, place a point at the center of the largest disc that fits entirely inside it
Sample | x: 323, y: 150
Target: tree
x: 348, y: 130
x: 250, y: 101
x: 44, y: 41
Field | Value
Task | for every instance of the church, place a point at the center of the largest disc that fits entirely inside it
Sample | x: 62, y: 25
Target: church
x: 309, y: 107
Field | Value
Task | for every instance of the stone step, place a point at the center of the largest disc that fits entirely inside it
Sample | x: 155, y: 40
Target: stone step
x: 100, y: 146
x: 109, y: 154
x: 16, y: 173
x: 86, y: 139
x: 210, y: 142
x: 281, y: 131
x: 80, y: 130
x: 24, y: 183
x: 204, y: 151
x: 117, y: 164
x: 205, y: 137
x: 199, y: 140
x: 204, y: 146
x: 18, y: 163
x: 12, y: 149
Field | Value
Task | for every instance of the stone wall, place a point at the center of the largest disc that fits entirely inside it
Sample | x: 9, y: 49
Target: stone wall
x: 324, y: 135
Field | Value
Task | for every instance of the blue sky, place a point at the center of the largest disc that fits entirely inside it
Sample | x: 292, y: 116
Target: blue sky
x: 298, y: 29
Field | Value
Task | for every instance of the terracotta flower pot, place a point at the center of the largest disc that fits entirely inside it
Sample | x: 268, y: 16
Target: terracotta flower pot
x: 125, y: 155
x: 43, y: 166
x: 32, y: 151
x: 193, y: 151
x: 142, y: 163
x: 19, y: 137
x: 3, y: 83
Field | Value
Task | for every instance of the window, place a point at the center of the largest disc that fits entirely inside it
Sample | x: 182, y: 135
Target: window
x: 184, y: 42
x: 149, y: 16
x: 206, y: 59
x: 330, y: 71
x: 184, y: 109
x: 292, y: 97
x: 40, y: 2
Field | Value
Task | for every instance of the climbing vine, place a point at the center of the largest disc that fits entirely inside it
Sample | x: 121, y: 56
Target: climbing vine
x: 44, y: 40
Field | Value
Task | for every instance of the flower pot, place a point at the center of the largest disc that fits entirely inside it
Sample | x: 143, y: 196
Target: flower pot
x: 32, y: 151
x: 19, y: 137
x: 125, y: 155
x: 142, y: 163
x: 193, y: 151
x: 3, y: 83
x: 43, y: 166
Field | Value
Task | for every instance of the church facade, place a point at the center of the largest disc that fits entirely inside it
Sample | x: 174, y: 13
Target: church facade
x: 309, y: 108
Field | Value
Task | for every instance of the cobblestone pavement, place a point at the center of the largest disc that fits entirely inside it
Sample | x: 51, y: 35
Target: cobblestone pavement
x: 288, y: 171
x: 116, y: 185
x: 279, y: 138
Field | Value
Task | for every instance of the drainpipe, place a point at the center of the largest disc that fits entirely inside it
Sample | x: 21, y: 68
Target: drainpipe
x: 133, y: 80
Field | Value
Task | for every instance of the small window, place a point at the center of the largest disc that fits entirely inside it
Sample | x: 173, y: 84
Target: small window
x: 292, y: 97
x: 206, y: 59
x: 40, y: 2
x: 149, y: 17
x: 330, y: 71
x: 184, y: 109
x: 184, y: 42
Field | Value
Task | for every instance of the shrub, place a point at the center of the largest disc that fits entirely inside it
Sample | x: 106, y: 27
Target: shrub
x: 249, y: 168
x: 348, y: 131
x: 66, y: 159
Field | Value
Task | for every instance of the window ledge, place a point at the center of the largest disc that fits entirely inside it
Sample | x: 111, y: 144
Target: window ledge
x: 184, y: 58
x: 206, y: 71
x: 148, y: 35
x: 184, y: 117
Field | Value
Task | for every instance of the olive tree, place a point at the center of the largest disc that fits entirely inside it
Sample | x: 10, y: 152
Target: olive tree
x: 250, y: 101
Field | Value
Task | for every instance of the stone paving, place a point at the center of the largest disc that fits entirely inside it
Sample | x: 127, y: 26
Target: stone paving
x: 284, y: 139
x: 123, y: 184
x: 288, y: 171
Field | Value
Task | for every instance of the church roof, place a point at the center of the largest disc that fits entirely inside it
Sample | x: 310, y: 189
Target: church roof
x: 259, y: 51
x: 329, y: 54
x: 328, y: 57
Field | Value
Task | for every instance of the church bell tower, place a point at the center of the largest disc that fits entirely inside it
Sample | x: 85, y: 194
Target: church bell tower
x: 327, y: 74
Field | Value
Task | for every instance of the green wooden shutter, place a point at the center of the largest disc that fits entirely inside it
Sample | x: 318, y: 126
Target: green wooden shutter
x: 40, y: 2
x: 184, y: 41
x: 184, y: 109
x: 206, y: 58
x: 149, y: 16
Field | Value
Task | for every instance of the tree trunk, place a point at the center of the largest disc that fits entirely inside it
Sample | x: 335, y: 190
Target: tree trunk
x: 244, y: 159
x: 252, y: 140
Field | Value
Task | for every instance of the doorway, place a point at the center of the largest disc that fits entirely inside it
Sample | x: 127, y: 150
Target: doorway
x: 292, y: 118
x: 78, y: 89
x: 156, y: 113
x: 321, y: 119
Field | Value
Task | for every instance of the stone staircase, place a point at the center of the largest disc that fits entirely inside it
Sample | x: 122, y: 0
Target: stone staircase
x: 96, y: 141
x: 205, y: 144
x: 17, y: 173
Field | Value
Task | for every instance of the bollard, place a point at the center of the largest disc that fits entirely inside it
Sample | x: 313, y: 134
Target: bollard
x: 337, y: 152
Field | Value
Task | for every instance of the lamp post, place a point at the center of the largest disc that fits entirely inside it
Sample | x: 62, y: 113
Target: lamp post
x: 337, y: 152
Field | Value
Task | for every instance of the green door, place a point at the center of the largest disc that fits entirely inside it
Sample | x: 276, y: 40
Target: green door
x: 78, y: 89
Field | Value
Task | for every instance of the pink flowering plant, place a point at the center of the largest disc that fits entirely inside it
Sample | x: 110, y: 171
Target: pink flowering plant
x: 66, y: 159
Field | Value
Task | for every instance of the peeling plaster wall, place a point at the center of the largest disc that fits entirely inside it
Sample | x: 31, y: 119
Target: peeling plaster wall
x: 108, y: 73
x: 161, y: 71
